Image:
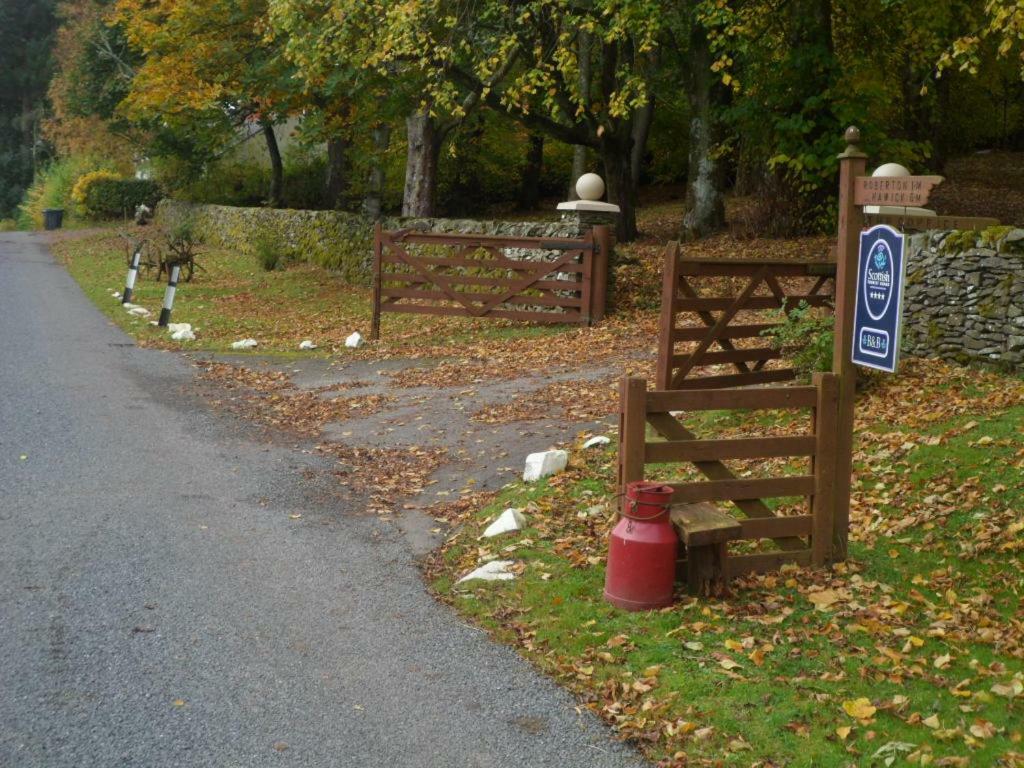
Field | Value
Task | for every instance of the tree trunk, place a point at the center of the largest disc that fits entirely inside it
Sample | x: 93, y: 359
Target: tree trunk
x: 641, y: 130
x: 337, y: 172
x: 621, y: 191
x: 373, y: 200
x: 579, y: 167
x: 705, y: 208
x: 529, y: 189
x: 274, y: 198
x: 420, y: 165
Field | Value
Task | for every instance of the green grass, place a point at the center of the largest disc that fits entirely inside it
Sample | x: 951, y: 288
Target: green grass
x: 233, y: 298
x: 913, y: 598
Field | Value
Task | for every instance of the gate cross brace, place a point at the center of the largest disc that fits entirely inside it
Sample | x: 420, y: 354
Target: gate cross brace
x: 719, y: 326
x: 670, y: 428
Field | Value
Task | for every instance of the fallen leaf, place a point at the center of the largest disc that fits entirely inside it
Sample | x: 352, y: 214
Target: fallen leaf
x: 982, y: 729
x: 824, y: 599
x: 861, y: 708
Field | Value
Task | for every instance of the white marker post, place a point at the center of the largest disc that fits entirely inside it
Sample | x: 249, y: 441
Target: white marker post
x: 133, y: 272
x: 172, y: 284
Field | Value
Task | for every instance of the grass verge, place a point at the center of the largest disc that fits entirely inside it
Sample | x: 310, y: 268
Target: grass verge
x: 911, y: 653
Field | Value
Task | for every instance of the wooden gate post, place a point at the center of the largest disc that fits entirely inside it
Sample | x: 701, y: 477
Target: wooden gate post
x: 375, y: 321
x: 852, y: 163
x: 667, y: 323
x: 600, y: 263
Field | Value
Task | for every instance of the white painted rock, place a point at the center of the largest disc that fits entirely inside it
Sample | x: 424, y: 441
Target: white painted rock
x: 116, y: 295
x: 185, y: 334
x: 496, y: 570
x: 139, y: 312
x: 545, y: 463
x: 596, y: 441
x: 307, y: 344
x: 175, y: 327
x: 244, y: 344
x: 129, y: 306
x: 509, y: 520
x: 354, y: 341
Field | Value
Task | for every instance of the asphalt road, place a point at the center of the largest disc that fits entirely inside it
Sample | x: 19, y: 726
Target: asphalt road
x: 160, y: 605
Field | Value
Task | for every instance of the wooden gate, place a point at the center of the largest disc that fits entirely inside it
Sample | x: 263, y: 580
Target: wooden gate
x: 723, y: 320
x: 802, y: 538
x: 435, y: 273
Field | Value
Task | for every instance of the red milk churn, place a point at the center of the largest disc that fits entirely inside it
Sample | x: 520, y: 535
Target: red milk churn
x: 642, y: 553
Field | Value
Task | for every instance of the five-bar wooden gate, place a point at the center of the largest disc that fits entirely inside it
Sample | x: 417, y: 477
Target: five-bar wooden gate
x: 436, y: 273
x: 801, y: 538
x: 721, y: 321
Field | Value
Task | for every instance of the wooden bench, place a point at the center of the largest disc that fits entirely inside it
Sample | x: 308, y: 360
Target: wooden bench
x: 706, y: 531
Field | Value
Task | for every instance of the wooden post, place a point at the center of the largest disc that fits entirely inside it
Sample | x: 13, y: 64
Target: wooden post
x: 632, y: 429
x: 852, y: 163
x: 601, y: 237
x: 375, y: 321
x: 823, y: 467
x: 588, y: 260
x: 667, y: 324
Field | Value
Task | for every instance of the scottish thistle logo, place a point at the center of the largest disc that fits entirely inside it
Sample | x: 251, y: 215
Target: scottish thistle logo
x: 880, y: 256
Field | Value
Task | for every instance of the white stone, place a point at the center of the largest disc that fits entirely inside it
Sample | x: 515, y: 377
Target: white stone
x: 185, y: 334
x: 139, y: 312
x: 496, y: 570
x: 116, y: 295
x: 175, y: 327
x: 354, y: 341
x: 509, y: 520
x: 590, y: 186
x: 244, y: 344
x: 129, y: 306
x: 307, y: 344
x: 596, y: 441
x: 545, y: 463
x: 592, y: 206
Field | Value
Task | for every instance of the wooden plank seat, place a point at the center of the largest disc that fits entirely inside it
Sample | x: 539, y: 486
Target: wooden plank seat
x: 705, y: 530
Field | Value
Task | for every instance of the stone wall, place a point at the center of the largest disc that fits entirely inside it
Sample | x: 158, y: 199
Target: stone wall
x: 336, y: 240
x: 964, y: 296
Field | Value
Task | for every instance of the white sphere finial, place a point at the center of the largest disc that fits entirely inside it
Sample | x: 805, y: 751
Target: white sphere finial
x: 890, y: 170
x: 590, y: 186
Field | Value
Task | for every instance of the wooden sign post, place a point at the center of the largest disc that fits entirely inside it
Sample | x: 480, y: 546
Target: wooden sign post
x: 852, y: 163
x: 856, y: 191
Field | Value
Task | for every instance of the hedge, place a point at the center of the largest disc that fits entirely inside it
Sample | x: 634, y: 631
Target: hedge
x: 105, y: 197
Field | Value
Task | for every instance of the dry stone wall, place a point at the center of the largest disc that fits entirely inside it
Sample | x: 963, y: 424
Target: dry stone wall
x: 336, y: 240
x: 964, y: 296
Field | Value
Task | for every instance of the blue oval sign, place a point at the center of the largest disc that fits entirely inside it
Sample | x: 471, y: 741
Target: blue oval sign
x: 878, y: 282
x: 877, y: 314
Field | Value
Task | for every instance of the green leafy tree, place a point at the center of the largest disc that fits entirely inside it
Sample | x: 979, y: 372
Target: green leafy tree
x: 26, y: 38
x: 1003, y: 25
x: 207, y: 69
x: 523, y: 59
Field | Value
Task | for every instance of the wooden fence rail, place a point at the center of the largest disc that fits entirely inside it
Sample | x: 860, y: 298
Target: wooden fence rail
x: 804, y: 538
x: 715, y: 335
x: 472, y: 275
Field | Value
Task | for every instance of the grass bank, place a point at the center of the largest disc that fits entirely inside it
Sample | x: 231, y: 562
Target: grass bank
x: 911, y: 653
